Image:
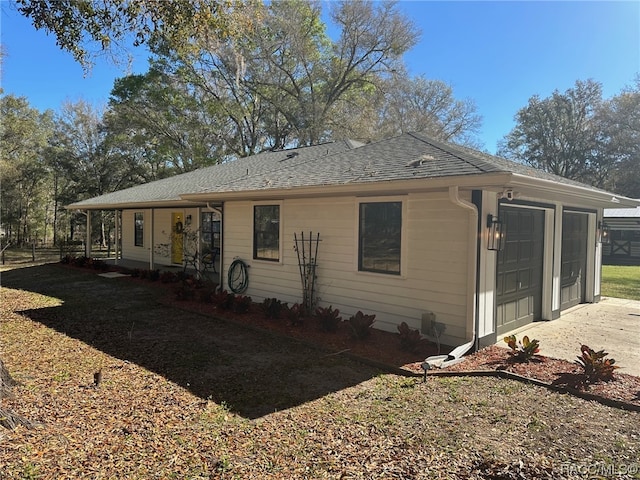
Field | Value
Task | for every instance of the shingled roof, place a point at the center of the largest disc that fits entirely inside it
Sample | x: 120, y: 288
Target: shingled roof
x: 405, y: 157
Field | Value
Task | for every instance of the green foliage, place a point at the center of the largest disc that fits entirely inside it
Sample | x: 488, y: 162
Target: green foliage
x: 596, y: 367
x: 621, y: 281
x: 328, y: 318
x: 272, y: 308
x: 360, y: 325
x: 524, y: 350
x: 410, y: 339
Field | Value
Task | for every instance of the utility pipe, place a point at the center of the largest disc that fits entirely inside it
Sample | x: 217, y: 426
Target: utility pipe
x: 456, y: 354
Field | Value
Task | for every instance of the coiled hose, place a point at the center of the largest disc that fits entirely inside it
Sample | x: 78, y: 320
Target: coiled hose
x: 238, y: 276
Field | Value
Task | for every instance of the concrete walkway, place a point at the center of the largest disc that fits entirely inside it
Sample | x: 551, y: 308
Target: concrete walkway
x: 613, y: 324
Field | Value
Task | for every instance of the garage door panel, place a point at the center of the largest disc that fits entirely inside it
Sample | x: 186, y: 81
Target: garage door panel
x: 526, y: 251
x: 519, y: 269
x: 510, y: 282
x: 524, y: 277
x: 574, y: 258
x: 511, y: 253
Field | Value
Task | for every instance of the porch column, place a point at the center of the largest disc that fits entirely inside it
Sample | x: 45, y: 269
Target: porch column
x: 87, y: 241
x: 117, y: 235
x: 151, y: 238
x: 198, y: 239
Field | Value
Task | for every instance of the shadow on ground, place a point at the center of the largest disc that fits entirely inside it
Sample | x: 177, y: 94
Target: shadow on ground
x: 254, y: 374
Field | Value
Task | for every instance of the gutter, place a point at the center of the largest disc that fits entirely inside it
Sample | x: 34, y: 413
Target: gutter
x: 455, y: 356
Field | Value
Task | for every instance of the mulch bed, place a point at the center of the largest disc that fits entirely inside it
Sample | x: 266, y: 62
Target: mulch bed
x: 382, y: 349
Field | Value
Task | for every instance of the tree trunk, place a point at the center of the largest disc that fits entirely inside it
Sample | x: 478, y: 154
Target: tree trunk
x: 9, y: 419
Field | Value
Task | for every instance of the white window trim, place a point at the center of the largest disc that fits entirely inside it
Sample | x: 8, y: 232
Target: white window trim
x: 278, y: 203
x: 404, y: 253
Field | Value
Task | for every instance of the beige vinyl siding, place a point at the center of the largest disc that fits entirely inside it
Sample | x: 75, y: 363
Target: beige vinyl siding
x: 434, y: 260
x: 129, y: 250
x: 161, y: 225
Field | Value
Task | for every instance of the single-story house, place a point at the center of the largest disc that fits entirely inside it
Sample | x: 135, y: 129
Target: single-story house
x: 623, y: 246
x: 410, y: 229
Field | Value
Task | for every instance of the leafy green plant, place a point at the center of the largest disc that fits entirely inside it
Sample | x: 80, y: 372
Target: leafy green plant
x: 328, y: 318
x: 360, y: 325
x: 410, y: 339
x: 241, y: 303
x: 524, y: 350
x: 272, y: 307
x: 595, y: 365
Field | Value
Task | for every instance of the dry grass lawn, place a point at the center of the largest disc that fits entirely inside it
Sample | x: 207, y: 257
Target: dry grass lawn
x: 190, y: 397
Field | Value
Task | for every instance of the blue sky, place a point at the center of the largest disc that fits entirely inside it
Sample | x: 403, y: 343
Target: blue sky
x: 498, y: 54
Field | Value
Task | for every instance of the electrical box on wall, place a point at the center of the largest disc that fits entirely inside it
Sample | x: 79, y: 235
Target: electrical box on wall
x: 428, y: 318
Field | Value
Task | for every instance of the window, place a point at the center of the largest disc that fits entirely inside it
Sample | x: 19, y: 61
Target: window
x: 210, y: 228
x: 139, y: 229
x: 266, y: 232
x: 380, y: 237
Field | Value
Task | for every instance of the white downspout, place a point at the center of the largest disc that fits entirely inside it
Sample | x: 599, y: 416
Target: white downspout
x: 456, y: 354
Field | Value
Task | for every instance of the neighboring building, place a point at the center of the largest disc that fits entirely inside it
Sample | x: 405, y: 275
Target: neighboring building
x: 624, y: 236
x: 406, y: 229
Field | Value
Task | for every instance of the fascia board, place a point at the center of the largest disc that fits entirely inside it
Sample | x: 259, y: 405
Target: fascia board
x: 583, y: 195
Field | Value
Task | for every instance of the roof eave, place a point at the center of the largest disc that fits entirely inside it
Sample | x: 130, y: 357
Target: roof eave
x: 387, y: 187
x: 134, y: 205
x: 566, y: 192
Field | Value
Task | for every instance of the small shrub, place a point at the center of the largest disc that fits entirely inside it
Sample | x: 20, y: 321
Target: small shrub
x: 80, y: 261
x: 185, y: 290
x: 98, y: 264
x: 154, y: 275
x: 596, y: 367
x: 410, y: 340
x: 522, y: 351
x: 241, y: 303
x: 295, y: 314
x: 272, y: 308
x: 143, y: 273
x: 328, y: 318
x: 68, y: 259
x: 168, y: 277
x: 360, y: 325
x: 223, y: 300
x: 207, y: 293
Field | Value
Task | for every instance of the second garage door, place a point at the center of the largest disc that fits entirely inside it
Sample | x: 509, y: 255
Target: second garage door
x: 519, y: 269
x: 574, y: 258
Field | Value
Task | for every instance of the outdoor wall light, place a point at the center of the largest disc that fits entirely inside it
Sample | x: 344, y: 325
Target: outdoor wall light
x: 604, y: 234
x: 495, y: 230
x: 188, y: 219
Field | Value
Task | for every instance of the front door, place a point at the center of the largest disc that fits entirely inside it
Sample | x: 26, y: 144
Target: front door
x: 519, y: 269
x: 177, y: 237
x: 574, y: 258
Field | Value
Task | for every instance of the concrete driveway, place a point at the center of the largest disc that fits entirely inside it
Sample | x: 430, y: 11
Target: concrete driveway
x: 613, y: 324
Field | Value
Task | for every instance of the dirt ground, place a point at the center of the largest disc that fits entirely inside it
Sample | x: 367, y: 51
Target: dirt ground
x: 186, y: 395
